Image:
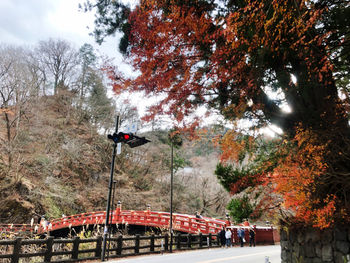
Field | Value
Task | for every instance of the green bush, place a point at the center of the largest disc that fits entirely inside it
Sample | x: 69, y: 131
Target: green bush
x: 240, y: 208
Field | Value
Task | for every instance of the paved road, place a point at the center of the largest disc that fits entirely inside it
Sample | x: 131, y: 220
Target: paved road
x: 218, y: 255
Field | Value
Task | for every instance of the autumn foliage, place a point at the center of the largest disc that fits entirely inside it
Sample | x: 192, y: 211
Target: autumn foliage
x: 297, y: 178
x: 229, y: 55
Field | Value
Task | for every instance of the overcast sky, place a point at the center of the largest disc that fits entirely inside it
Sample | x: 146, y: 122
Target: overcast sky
x: 25, y: 22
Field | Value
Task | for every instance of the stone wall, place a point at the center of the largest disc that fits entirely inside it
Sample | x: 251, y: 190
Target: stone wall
x: 311, y: 245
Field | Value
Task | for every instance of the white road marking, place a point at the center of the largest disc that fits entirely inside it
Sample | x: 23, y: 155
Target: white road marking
x: 234, y: 257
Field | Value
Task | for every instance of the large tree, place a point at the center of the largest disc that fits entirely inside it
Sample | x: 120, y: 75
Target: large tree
x: 231, y: 55
x: 16, y: 87
x: 57, y: 58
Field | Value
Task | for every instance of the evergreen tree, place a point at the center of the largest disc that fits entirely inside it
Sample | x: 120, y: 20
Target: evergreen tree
x: 87, y: 59
x: 240, y: 208
x: 100, y: 106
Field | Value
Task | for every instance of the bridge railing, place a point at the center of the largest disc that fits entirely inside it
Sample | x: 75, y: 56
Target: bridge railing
x: 181, y: 222
x: 78, y: 220
x: 16, y: 227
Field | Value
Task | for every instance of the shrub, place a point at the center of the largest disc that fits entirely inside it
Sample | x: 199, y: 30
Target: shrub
x: 240, y: 208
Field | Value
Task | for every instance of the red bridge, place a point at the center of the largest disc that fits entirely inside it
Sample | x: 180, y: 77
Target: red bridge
x: 181, y: 222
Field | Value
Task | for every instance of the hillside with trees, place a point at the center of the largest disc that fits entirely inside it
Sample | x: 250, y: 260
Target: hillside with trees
x: 55, y: 156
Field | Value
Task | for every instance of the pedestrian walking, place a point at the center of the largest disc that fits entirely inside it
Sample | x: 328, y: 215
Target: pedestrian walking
x: 228, y: 235
x: 222, y: 237
x: 241, y: 236
x: 251, y: 237
x: 44, y: 223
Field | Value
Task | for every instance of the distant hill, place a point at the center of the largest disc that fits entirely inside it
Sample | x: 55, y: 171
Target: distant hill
x: 60, y: 164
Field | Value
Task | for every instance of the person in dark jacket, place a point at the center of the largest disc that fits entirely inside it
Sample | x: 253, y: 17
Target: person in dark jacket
x: 251, y: 237
x: 222, y: 237
x: 198, y: 215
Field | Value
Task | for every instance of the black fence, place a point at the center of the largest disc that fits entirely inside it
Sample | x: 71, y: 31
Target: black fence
x: 72, y: 250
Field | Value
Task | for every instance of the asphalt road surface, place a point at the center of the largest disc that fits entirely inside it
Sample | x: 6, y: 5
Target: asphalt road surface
x: 215, y: 255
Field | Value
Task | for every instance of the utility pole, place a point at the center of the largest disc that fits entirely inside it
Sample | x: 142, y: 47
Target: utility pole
x: 171, y: 196
x: 133, y: 141
x: 112, y: 205
x: 175, y: 141
x: 105, y: 232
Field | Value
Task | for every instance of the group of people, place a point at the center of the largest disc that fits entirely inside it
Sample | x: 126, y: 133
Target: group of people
x: 227, y: 237
x: 227, y: 234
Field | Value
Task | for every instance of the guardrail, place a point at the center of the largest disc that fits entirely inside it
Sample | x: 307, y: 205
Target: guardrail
x: 76, y: 249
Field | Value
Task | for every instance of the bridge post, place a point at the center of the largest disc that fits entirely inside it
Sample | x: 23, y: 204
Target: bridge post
x: 119, y: 245
x: 117, y: 211
x: 137, y: 244
x: 48, y: 252
x: 152, y: 243
x: 200, y: 240
x: 178, y: 241
x: 75, y: 250
x: 189, y: 240
x: 147, y: 213
x: 16, y: 250
x: 210, y: 240
x: 98, y: 247
x: 166, y: 242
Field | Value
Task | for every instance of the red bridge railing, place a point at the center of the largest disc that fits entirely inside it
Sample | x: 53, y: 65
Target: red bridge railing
x: 181, y: 222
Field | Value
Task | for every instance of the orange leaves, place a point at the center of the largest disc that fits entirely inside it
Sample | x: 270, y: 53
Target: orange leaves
x: 231, y: 147
x: 296, y: 178
x: 296, y: 171
x: 324, y: 216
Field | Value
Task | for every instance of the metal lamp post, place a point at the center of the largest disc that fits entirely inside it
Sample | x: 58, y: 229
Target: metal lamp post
x: 171, y: 196
x: 175, y: 141
x: 110, y: 187
x: 111, y: 218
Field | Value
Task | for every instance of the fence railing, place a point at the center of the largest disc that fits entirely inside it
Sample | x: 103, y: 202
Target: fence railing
x: 76, y: 249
